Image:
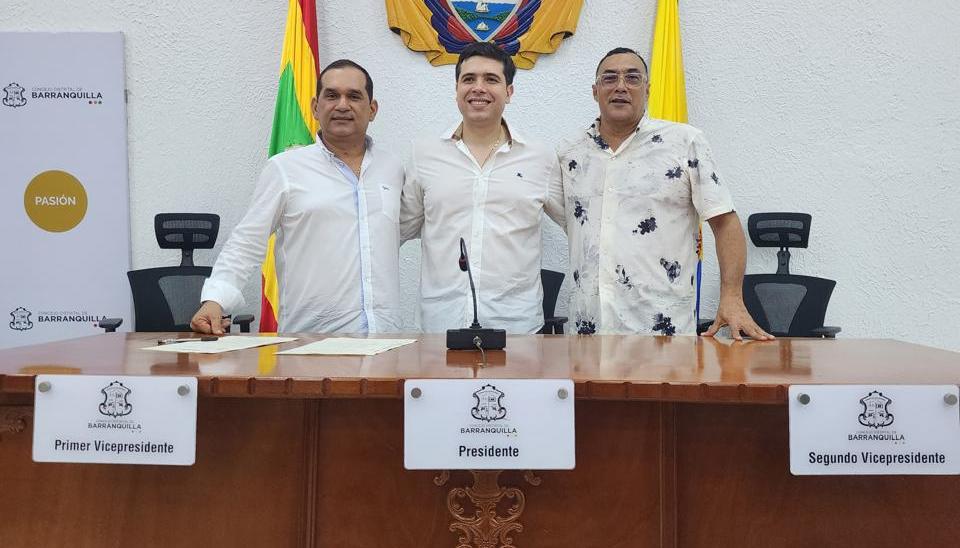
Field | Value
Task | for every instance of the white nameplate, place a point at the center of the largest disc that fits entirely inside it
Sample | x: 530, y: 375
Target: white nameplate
x: 488, y: 424
x: 874, y: 430
x: 115, y: 419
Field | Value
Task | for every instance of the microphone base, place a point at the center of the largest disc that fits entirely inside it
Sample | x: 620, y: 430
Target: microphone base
x: 465, y: 339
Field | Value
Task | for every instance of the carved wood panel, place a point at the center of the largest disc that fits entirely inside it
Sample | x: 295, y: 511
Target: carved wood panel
x: 486, y: 514
x: 14, y: 419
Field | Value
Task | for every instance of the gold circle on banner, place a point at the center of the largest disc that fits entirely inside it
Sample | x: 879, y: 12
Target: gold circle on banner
x: 55, y: 201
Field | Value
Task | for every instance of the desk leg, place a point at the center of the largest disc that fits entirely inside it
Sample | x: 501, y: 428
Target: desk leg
x: 494, y: 510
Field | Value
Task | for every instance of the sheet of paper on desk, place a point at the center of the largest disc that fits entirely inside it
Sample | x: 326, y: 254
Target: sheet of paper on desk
x: 342, y: 346
x: 223, y: 344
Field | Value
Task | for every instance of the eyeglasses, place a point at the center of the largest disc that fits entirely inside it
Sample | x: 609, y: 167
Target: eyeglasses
x: 610, y: 80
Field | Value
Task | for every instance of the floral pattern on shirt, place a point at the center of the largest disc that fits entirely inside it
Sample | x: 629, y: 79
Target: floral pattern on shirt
x: 645, y: 202
x: 646, y: 226
x: 664, y: 325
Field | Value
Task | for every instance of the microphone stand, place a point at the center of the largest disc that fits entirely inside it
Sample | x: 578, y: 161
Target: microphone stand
x: 475, y: 336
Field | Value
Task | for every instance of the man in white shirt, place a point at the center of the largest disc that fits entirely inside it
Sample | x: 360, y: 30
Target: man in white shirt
x: 484, y: 182
x: 636, y: 190
x: 334, y: 206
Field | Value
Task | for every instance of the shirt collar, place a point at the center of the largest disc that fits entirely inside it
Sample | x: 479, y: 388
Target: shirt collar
x: 593, y: 132
x: 367, y: 143
x: 454, y: 132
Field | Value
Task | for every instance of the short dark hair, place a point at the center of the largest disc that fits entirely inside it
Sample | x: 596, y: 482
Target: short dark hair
x: 490, y: 51
x: 618, y: 51
x: 346, y: 63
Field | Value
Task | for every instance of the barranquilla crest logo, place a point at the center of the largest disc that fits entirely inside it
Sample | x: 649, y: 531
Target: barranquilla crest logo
x: 21, y: 319
x: 13, y: 95
x: 489, y: 406
x: 523, y: 28
x: 115, y: 402
x: 876, y: 413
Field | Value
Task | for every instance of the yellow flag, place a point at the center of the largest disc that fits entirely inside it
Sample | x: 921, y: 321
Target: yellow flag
x: 668, y: 93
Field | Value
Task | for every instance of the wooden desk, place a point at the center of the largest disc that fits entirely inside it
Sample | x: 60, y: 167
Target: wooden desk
x: 680, y: 442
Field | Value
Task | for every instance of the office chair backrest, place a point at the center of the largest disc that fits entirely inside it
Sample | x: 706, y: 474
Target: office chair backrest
x: 186, y: 232
x: 165, y: 298
x: 787, y: 305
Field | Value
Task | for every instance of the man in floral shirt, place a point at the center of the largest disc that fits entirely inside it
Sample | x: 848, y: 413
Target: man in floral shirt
x: 636, y: 190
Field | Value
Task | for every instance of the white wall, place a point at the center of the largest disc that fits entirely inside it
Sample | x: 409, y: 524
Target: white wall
x: 846, y: 110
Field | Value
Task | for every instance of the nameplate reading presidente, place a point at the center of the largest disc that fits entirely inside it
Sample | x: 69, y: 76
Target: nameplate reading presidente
x: 115, y: 419
x: 874, y: 430
x: 488, y: 424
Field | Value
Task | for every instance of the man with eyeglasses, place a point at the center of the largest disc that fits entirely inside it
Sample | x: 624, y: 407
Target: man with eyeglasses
x: 636, y: 190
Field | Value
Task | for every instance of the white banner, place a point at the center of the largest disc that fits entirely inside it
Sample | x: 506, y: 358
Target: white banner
x: 64, y: 206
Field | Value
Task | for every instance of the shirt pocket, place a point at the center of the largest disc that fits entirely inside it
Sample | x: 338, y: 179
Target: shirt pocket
x: 390, y: 201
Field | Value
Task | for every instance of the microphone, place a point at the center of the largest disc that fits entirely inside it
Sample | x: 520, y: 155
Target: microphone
x: 475, y: 336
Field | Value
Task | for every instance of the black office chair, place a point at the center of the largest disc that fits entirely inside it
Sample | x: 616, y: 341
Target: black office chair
x: 551, y: 281
x: 785, y: 304
x: 165, y: 298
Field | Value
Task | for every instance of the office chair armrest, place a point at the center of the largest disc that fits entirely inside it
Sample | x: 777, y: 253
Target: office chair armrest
x: 244, y: 321
x: 110, y: 325
x: 554, y: 325
x: 825, y: 332
x: 703, y: 325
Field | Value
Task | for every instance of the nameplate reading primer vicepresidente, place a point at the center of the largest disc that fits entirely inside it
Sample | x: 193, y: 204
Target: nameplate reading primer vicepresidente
x: 874, y: 430
x: 488, y: 424
x: 115, y: 419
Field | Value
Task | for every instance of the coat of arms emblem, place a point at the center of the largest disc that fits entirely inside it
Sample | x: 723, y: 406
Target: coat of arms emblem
x: 21, y: 319
x: 14, y: 95
x: 115, y: 402
x: 488, y: 406
x: 522, y: 28
x: 875, y: 413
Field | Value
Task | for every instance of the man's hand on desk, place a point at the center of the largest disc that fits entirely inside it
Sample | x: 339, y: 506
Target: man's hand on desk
x: 209, y: 319
x: 731, y: 312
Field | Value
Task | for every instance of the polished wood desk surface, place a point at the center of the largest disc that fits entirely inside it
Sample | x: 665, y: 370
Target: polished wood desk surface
x: 603, y: 367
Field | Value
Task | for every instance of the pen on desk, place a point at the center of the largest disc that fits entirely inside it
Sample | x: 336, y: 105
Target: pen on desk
x: 174, y: 341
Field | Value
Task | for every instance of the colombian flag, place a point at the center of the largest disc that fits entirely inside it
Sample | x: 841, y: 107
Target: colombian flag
x: 668, y: 93
x: 293, y: 124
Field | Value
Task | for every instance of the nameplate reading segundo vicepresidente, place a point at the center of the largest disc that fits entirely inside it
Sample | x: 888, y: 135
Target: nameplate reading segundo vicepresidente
x: 874, y: 429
